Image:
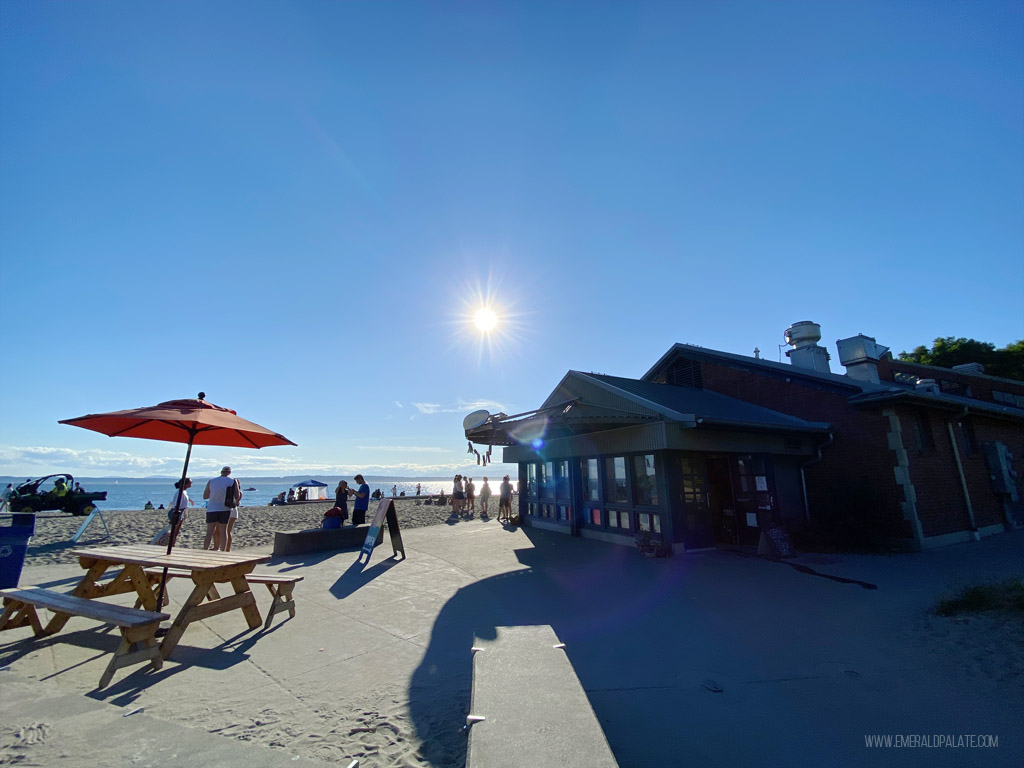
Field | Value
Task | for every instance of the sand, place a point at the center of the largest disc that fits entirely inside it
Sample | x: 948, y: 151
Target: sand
x: 255, y: 527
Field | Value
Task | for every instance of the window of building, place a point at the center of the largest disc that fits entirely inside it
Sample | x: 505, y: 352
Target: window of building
x: 531, y: 509
x: 563, y: 511
x: 648, y: 522
x: 618, y: 518
x: 923, y: 433
x: 615, y: 480
x: 645, y: 486
x: 547, y: 480
x: 562, y: 479
x: 594, y: 516
x: 591, y: 483
x: 531, y: 480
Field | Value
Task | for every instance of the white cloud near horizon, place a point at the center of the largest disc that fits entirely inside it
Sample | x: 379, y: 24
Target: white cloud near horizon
x: 36, y: 461
x: 411, y: 448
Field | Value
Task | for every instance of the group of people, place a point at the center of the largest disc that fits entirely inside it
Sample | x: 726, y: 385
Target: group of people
x: 336, y: 516
x: 223, y: 496
x: 464, y: 497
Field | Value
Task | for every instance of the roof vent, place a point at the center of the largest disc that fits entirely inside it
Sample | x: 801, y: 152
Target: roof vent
x: 971, y: 369
x: 860, y: 354
x: 803, y: 336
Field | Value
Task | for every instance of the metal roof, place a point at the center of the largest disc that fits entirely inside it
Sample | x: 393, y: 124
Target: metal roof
x: 591, y: 402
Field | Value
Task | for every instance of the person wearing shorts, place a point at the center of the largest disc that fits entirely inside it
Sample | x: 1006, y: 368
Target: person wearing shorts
x: 505, y: 501
x: 458, y: 495
x: 218, y: 514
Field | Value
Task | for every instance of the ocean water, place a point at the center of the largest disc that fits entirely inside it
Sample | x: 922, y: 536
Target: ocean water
x: 133, y: 493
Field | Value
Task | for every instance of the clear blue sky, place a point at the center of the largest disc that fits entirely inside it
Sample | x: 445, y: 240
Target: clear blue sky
x: 297, y: 206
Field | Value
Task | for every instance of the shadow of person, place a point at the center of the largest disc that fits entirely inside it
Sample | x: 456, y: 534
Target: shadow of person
x: 586, y: 591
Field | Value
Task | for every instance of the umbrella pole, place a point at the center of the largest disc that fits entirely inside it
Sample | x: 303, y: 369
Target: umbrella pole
x: 178, y: 517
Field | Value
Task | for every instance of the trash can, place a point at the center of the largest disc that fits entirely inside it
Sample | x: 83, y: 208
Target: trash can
x: 13, y: 546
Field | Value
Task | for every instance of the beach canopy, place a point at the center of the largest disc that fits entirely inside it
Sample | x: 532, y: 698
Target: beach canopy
x: 309, y: 484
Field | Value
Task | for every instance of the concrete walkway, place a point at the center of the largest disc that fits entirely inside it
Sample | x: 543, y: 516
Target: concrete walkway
x: 709, y: 659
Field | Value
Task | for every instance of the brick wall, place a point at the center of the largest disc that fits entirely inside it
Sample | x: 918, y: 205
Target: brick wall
x: 860, y: 463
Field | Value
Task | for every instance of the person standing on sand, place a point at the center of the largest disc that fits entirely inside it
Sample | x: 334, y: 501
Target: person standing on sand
x: 485, y: 496
x: 418, y: 486
x: 173, y: 513
x: 335, y: 518
x: 362, y: 501
x: 470, y: 496
x: 458, y: 495
x: 505, y: 501
x: 218, y: 513
x: 5, y: 497
x: 394, y: 491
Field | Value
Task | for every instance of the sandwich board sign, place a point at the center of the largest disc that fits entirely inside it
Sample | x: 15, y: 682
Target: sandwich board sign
x: 385, y: 513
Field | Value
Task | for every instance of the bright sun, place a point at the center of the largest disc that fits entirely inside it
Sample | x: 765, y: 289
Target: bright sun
x: 485, y: 319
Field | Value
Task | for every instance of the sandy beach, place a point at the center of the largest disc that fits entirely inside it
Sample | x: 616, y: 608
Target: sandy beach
x: 255, y: 527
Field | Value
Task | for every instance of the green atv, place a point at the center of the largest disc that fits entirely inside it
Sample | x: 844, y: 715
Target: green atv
x: 53, y: 492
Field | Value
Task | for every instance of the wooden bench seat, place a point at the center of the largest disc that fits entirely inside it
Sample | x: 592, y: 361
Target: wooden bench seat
x: 138, y: 627
x: 279, y: 586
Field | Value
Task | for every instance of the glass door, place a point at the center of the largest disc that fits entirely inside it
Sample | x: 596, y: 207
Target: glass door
x: 698, y: 530
x: 755, y: 498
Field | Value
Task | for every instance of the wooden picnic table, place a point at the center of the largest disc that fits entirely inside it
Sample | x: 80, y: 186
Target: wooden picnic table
x: 208, y: 568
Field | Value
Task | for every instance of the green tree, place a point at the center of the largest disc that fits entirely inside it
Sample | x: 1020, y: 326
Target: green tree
x: 1007, y: 362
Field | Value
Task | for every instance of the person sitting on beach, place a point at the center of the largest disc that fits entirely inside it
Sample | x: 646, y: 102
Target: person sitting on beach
x: 149, y: 505
x: 291, y: 495
x: 401, y: 494
x: 441, y: 500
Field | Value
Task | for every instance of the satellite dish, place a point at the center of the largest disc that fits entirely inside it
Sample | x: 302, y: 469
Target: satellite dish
x: 475, y: 419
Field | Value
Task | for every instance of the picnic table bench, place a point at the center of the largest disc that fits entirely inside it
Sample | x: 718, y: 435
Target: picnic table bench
x: 138, y: 627
x: 280, y: 588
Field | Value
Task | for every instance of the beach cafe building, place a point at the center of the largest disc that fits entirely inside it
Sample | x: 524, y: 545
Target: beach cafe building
x: 710, y: 448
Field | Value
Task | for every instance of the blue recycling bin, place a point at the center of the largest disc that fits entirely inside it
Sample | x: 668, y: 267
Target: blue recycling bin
x: 13, y: 546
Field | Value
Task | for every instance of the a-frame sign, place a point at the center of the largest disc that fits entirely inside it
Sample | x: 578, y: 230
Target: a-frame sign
x: 385, y: 513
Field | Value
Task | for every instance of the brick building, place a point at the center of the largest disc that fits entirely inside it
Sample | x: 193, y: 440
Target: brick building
x: 711, y: 448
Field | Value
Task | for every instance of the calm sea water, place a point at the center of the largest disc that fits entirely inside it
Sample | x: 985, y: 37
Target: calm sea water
x: 133, y: 493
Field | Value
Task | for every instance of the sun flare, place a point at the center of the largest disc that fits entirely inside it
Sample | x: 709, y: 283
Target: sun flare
x: 485, y: 319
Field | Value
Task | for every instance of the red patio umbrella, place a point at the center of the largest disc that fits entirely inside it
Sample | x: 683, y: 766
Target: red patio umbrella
x: 195, y: 422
